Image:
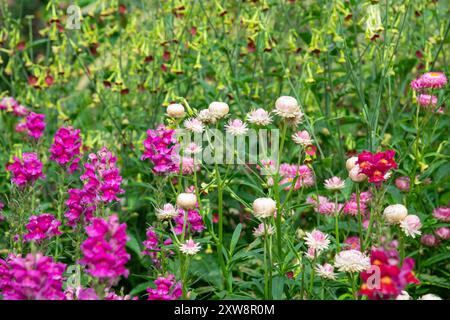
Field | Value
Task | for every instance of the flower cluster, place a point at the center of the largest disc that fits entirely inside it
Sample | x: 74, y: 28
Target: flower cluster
x: 25, y: 171
x: 104, y: 251
x: 66, y: 148
x: 35, y: 125
x: 324, y: 206
x: 161, y: 148
x: 35, y: 277
x: 152, y: 247
x: 290, y: 172
x: 393, y: 279
x: 166, y: 289
x: 42, y: 227
x: 194, y: 222
x: 11, y: 105
x: 376, y: 166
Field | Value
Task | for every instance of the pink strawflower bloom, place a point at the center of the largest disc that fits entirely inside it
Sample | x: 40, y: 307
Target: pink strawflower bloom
x: 429, y: 240
x: 189, y: 166
x: 352, y: 243
x: 161, y: 148
x: 364, y: 197
x: 443, y: 233
x: 35, y: 277
x: 334, y: 183
x: 317, y: 240
x: 289, y: 172
x: 435, y: 80
x: 11, y: 105
x: 351, y: 208
x: 236, y: 127
x: 403, y: 183
x: 166, y: 289
x: 42, y: 227
x: 194, y: 125
x: 442, y: 213
x: 27, y: 170
x: 411, y: 225
x: 104, y: 252
x: 325, y: 271
x: 259, y: 117
x: 302, y: 138
x: 426, y: 100
x: 324, y: 206
x: 65, y: 149
x: 194, y: 222
x: 35, y: 125
x: 190, y: 247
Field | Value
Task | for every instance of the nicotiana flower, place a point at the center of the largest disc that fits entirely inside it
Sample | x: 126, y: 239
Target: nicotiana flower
x: 259, y: 117
x: 104, y: 252
x: 351, y: 261
x: 66, y: 148
x: 166, y: 289
x: 167, y: 212
x: 334, y: 183
x: 264, y: 207
x: 442, y: 213
x: 190, y: 247
x: 317, y: 240
x: 44, y: 226
x: 35, y: 277
x: 27, y: 170
x: 394, y: 214
x: 411, y: 225
x: 236, y: 127
x: 302, y: 138
x: 261, y: 231
x: 325, y: 271
x: 194, y: 125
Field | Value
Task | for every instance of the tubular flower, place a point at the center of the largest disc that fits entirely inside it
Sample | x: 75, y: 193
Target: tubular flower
x: 66, y: 148
x: 376, y: 166
x: 25, y: 171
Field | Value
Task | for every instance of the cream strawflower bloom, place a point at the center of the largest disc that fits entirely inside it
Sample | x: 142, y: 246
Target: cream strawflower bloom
x: 236, y: 127
x: 325, y: 271
x: 205, y: 116
x: 167, y: 212
x: 175, y: 110
x: 317, y: 240
x: 218, y: 109
x: 430, y: 296
x: 351, y: 163
x: 264, y: 207
x: 351, y: 261
x: 190, y: 247
x: 394, y: 214
x: 355, y: 175
x: 287, y: 107
x: 194, y: 125
x: 334, y: 183
x: 411, y: 225
x: 403, y: 296
x: 302, y: 138
x: 259, y: 117
x: 261, y: 230
x: 187, y: 201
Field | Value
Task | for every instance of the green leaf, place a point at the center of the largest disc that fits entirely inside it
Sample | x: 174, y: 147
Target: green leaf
x: 235, y: 238
x: 277, y: 288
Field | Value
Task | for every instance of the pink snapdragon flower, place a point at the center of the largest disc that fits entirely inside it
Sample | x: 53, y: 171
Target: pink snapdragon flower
x: 166, y: 289
x: 152, y: 246
x: 194, y: 222
x: 161, y: 149
x: 42, y: 227
x: 65, y: 149
x: 35, y: 277
x: 104, y: 252
x: 35, y: 125
x: 25, y: 171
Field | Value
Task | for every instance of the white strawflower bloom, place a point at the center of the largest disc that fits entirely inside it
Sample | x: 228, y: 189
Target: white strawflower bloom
x: 317, y: 240
x: 351, y: 261
x: 264, y: 207
x: 259, y: 117
x: 334, y: 183
x: 294, y: 121
x: 187, y: 201
x: 190, y: 247
x: 411, y: 225
x: 167, y: 212
x: 403, y: 296
x: 236, y: 127
x: 175, y: 110
x: 192, y: 148
x: 394, y: 214
x: 218, y: 109
x: 261, y: 230
x: 325, y: 271
x: 302, y: 138
x: 287, y: 107
x: 351, y: 163
x: 355, y: 175
x: 194, y: 125
x: 206, y: 116
x: 430, y: 296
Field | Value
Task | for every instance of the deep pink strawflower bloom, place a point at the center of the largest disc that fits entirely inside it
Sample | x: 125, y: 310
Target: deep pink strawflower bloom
x: 429, y: 240
x: 442, y: 213
x: 166, y: 289
x: 443, y: 233
x: 104, y: 253
x: 351, y: 208
x: 42, y: 227
x: 324, y: 206
x: 27, y: 170
x: 161, y: 149
x: 66, y: 148
x: 35, y: 277
x: 35, y: 125
x: 434, y: 80
x: 403, y: 183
